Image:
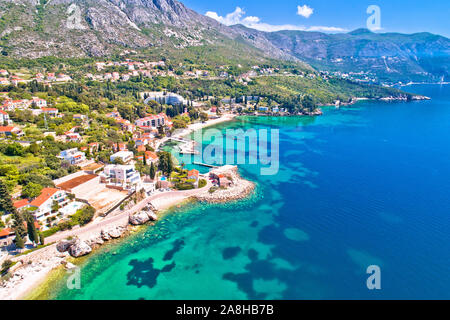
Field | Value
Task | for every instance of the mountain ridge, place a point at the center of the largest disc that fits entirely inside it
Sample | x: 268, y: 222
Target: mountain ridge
x: 38, y: 28
x: 388, y: 55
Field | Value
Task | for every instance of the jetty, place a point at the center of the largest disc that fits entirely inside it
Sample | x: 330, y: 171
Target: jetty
x: 176, y: 139
x: 205, y: 165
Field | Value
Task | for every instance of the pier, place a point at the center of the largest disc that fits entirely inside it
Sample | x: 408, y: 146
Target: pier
x: 179, y: 140
x: 205, y: 165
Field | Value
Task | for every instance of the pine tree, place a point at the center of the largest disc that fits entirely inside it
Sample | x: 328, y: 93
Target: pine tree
x: 19, y: 241
x: 6, y: 203
x: 19, y: 224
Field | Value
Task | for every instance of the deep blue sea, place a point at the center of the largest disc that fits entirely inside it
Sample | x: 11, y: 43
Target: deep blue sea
x: 362, y: 185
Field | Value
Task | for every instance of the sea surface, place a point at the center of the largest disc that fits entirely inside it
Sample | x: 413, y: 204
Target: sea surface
x: 362, y: 185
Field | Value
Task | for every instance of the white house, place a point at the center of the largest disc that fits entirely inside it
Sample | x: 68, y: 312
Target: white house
x: 164, y: 98
x: 52, y: 112
x: 124, y: 177
x: 125, y: 156
x: 38, y: 102
x: 44, y: 202
x: 9, y: 131
x: 73, y: 136
x: 4, y: 118
x: 153, y: 121
x: 4, y: 82
x: 63, y: 77
x: 73, y: 156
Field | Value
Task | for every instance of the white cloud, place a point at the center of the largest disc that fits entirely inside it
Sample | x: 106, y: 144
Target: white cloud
x: 251, y: 19
x: 305, y: 11
x: 230, y: 19
x: 238, y: 17
x: 326, y: 29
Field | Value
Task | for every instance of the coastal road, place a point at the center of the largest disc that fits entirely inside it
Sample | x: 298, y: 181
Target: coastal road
x: 119, y: 219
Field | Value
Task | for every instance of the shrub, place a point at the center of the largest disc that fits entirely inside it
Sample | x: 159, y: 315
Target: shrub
x: 6, y: 265
x: 213, y: 189
x: 51, y: 231
x: 202, y: 183
x: 83, y: 216
x: 184, y: 186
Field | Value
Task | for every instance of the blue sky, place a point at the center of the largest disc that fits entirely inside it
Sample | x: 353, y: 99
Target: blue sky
x: 330, y: 15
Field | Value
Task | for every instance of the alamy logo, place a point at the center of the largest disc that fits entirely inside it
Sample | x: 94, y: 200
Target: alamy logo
x: 374, y: 21
x: 74, y: 19
x: 74, y: 279
x: 374, y: 280
x: 235, y: 147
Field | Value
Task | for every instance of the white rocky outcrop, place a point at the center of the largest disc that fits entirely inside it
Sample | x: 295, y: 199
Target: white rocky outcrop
x: 79, y: 248
x: 112, y: 233
x: 142, y: 217
x: 64, y: 245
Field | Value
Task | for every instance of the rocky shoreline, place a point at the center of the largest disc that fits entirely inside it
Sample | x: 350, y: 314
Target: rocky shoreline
x: 240, y: 188
x: 403, y: 98
x: 77, y: 247
x: 33, y: 269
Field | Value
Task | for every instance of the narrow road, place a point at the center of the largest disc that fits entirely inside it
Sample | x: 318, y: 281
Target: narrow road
x: 116, y: 220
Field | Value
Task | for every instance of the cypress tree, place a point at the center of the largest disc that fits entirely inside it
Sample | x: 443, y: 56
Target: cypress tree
x: 169, y: 165
x: 152, y: 171
x: 19, y: 241
x: 32, y: 232
x: 41, y: 239
x: 6, y: 203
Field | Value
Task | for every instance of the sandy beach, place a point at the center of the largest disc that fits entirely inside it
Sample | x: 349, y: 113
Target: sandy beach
x: 196, y: 126
x: 224, y: 118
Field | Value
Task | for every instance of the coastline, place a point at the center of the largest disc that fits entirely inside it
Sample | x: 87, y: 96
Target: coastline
x: 41, y: 270
x: 36, y: 269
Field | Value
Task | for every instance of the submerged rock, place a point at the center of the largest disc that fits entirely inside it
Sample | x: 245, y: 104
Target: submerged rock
x: 70, y: 266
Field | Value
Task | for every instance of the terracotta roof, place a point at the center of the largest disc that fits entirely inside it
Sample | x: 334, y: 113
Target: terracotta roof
x: 73, y: 183
x: 6, y: 129
x: 44, y: 196
x: 5, y: 232
x: 21, y: 203
x: 193, y: 172
x: 149, y: 154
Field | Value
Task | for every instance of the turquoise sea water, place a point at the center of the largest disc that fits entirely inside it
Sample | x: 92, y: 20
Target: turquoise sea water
x: 363, y: 185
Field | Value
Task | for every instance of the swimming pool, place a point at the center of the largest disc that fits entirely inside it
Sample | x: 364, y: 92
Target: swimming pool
x: 72, y: 208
